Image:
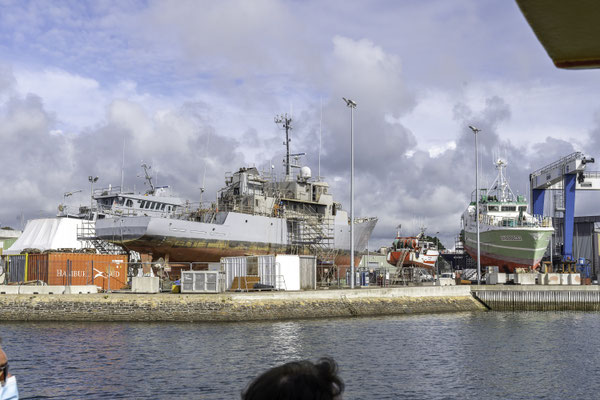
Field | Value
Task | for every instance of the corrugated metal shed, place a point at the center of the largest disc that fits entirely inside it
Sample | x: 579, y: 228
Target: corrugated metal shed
x: 586, y: 240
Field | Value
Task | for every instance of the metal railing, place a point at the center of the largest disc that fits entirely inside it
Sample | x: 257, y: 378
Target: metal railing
x: 563, y: 160
x: 86, y: 233
x: 534, y: 221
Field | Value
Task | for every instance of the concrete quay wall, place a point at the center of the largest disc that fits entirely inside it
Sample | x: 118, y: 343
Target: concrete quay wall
x: 236, y: 306
x: 539, y: 298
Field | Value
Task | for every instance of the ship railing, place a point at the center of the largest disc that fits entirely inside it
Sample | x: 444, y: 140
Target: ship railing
x: 131, y: 212
x: 533, y: 221
x: 187, y: 208
x: 181, y: 211
x: 108, y: 191
x: 184, y: 211
x: 360, y: 220
x: 236, y: 206
x: 591, y: 174
x: 126, y: 212
x: 545, y: 222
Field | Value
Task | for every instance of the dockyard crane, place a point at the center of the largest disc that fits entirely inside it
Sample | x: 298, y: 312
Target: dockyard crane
x: 565, y: 176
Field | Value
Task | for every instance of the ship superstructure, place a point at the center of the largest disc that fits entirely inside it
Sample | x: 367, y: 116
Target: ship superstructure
x: 253, y: 214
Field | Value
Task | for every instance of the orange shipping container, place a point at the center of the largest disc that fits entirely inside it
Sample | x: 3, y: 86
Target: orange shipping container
x: 37, y: 267
x: 87, y: 269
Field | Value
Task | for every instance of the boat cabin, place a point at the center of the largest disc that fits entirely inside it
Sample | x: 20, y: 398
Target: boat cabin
x: 249, y: 191
x: 111, y: 201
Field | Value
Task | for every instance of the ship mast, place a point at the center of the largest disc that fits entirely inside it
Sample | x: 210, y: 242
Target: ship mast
x: 501, y: 180
x: 148, y: 177
x: 286, y: 123
x: 500, y: 184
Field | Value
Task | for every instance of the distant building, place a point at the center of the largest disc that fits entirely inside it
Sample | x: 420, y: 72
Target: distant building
x: 586, y: 241
x: 7, y: 237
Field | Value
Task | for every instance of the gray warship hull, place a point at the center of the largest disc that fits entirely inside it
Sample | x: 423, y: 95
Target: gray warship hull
x: 231, y: 234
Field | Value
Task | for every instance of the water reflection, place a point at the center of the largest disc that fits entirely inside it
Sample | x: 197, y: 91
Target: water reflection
x: 285, y: 337
x: 471, y: 355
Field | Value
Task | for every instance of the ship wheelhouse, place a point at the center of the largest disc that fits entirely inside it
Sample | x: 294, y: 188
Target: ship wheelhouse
x: 500, y: 207
x: 114, y: 202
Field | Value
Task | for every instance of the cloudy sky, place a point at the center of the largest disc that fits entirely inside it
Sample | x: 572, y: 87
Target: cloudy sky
x: 193, y: 86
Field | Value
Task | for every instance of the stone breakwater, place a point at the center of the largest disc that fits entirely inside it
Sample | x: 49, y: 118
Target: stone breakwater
x: 237, y: 306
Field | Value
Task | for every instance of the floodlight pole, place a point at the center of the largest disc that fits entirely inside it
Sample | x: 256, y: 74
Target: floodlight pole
x: 92, y: 179
x: 352, y: 105
x: 476, y: 131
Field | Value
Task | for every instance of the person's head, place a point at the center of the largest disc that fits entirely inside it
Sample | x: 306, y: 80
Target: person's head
x: 297, y: 380
x: 3, y: 365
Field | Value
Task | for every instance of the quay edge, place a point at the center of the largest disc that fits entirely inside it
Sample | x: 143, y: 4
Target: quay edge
x: 235, y: 307
x: 538, y: 298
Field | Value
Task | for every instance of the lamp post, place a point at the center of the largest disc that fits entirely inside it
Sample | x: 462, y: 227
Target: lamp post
x: 92, y: 179
x: 476, y: 131
x: 352, y: 105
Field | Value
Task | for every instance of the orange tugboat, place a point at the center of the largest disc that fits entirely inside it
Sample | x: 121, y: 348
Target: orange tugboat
x: 413, y: 251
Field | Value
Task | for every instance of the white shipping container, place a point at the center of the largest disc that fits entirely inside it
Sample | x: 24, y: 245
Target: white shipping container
x: 232, y: 267
x: 265, y: 267
x: 288, y: 271
x: 267, y: 271
x: 282, y: 272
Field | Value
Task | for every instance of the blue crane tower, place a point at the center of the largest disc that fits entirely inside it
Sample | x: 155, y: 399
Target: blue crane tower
x: 564, y: 176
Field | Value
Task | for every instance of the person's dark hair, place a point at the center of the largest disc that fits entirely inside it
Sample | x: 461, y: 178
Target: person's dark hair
x: 297, y: 380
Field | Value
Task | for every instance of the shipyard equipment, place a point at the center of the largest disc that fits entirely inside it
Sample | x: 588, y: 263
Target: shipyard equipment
x: 563, y: 178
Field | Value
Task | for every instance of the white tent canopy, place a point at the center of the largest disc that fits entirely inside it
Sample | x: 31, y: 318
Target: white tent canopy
x: 48, y: 234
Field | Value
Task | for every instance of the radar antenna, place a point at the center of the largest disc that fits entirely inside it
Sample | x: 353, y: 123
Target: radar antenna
x: 286, y: 123
x: 148, y: 177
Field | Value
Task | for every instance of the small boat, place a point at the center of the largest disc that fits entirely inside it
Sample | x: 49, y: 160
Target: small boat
x: 413, y: 251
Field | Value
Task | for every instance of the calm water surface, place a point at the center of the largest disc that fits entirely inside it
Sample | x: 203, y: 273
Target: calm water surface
x: 466, y: 356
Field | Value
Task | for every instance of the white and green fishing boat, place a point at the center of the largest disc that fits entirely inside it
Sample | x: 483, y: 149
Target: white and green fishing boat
x: 510, y: 237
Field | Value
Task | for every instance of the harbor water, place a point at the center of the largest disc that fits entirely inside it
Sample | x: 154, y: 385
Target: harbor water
x: 493, y: 355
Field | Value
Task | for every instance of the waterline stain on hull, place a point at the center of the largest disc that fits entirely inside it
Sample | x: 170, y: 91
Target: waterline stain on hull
x: 194, y: 250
